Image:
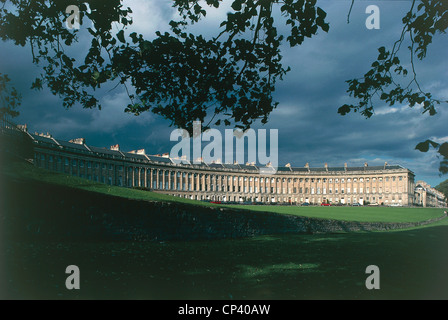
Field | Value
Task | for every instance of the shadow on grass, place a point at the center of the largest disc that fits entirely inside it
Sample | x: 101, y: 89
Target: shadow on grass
x: 412, y: 265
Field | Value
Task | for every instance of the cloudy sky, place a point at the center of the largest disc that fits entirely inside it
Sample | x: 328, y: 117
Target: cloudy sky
x: 310, y: 129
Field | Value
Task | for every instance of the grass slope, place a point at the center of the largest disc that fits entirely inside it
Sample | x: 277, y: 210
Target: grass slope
x: 412, y: 263
x: 412, y: 266
x: 365, y: 214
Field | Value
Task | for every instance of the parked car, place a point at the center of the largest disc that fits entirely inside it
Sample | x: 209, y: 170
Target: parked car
x: 325, y: 204
x: 356, y: 204
x: 305, y: 204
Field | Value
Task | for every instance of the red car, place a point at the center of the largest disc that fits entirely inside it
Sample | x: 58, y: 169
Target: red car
x: 325, y: 204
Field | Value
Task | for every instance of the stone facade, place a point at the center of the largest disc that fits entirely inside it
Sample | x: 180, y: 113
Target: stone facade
x: 387, y: 184
x: 426, y: 196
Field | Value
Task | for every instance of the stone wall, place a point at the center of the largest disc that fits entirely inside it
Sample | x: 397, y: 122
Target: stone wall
x: 32, y: 209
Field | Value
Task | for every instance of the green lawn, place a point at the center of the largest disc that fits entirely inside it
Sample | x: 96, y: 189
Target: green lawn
x: 412, y: 266
x: 412, y: 263
x: 28, y: 171
x: 367, y: 214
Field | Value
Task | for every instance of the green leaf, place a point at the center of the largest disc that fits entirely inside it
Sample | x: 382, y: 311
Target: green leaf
x: 236, y: 5
x: 120, y: 36
x: 345, y: 109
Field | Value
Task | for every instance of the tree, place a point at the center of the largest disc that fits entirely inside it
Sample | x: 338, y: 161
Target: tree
x: 443, y: 187
x: 229, y: 78
x: 10, y: 98
x: 178, y: 75
x: 388, y: 80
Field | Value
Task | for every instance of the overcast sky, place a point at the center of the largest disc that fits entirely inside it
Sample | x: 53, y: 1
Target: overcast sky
x: 309, y: 127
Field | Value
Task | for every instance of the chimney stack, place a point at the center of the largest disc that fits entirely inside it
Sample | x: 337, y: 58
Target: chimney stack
x: 78, y: 141
x: 115, y: 147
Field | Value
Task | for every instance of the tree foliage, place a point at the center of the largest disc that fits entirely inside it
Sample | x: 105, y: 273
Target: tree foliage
x: 443, y: 187
x: 10, y: 98
x: 182, y: 76
x: 390, y: 81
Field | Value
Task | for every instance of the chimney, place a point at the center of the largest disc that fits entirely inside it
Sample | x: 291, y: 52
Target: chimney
x: 115, y: 147
x: 385, y: 165
x: 307, y: 165
x: 140, y: 151
x: 365, y: 164
x: 326, y: 166
x: 78, y: 141
x: 23, y: 127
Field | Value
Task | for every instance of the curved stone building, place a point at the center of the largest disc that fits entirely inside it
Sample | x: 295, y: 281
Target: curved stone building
x: 387, y: 184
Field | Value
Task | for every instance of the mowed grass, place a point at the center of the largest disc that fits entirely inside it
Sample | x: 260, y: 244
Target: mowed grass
x: 412, y: 265
x: 347, y: 213
x: 22, y: 170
